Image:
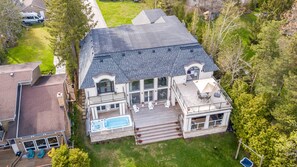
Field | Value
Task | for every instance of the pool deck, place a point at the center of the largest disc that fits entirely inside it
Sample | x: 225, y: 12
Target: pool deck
x: 159, y: 115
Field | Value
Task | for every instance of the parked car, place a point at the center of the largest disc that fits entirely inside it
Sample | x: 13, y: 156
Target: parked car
x: 30, y: 18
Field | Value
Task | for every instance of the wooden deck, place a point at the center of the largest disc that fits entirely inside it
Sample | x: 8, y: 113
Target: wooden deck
x: 159, y: 115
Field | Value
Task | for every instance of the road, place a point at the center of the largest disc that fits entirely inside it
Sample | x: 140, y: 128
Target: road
x: 97, y: 14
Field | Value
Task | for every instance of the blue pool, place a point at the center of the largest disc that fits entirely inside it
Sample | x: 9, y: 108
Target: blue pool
x: 117, y: 122
x: 111, y: 123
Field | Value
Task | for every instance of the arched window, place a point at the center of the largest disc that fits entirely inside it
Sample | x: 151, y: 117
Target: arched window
x: 193, y: 73
x: 105, y: 86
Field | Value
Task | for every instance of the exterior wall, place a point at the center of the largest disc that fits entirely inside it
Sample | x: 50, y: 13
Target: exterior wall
x: 180, y: 79
x: 205, y: 132
x: 205, y: 75
x: 19, y: 141
x: 188, y: 132
x: 35, y: 75
x: 107, y: 135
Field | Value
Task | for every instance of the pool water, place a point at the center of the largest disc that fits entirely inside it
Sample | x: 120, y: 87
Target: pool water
x: 116, y: 122
x: 111, y: 123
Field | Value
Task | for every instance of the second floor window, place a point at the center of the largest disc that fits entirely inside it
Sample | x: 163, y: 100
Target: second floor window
x: 105, y: 86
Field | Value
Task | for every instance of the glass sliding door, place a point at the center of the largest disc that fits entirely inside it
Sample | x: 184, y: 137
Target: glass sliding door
x: 135, y: 98
x: 148, y: 96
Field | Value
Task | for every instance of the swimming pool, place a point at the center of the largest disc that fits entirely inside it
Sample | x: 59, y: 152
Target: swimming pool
x: 111, y: 123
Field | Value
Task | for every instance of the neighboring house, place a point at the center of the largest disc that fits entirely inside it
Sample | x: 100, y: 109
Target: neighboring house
x: 37, y: 6
x: 33, y: 108
x: 154, y: 81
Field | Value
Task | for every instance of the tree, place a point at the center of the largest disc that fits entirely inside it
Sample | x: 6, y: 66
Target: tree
x: 266, y: 51
x: 217, y: 32
x: 10, y: 27
x: 65, y: 157
x: 273, y: 9
x: 69, y: 21
x: 285, y: 151
x: 230, y: 59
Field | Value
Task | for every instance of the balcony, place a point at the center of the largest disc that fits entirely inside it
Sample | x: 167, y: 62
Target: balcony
x: 189, y: 96
x: 106, y: 98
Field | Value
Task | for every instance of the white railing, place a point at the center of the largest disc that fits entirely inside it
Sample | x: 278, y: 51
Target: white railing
x: 105, y: 98
x: 203, y: 107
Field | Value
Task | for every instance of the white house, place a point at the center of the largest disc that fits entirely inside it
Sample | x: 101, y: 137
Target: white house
x: 152, y: 80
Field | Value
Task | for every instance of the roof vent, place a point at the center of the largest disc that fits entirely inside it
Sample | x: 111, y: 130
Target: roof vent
x: 191, y: 50
x: 11, y: 74
x: 139, y: 52
x: 123, y: 54
x: 60, y: 99
x: 169, y: 49
x: 153, y: 51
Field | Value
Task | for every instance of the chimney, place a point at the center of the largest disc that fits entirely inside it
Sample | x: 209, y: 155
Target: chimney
x: 60, y: 99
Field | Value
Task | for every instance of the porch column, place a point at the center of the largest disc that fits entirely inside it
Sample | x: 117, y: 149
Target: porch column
x: 226, y: 118
x: 169, y: 87
x: 172, y: 98
x: 141, y: 82
x: 122, y: 109
x: 206, y: 122
x: 127, y: 94
x: 189, y: 124
x: 155, y: 94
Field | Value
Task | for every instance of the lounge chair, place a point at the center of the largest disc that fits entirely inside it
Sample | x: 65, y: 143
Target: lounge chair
x: 167, y: 104
x: 135, y: 108
x: 41, y: 153
x: 150, y: 105
x: 30, y: 154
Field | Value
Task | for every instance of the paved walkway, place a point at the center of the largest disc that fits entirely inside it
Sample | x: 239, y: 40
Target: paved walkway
x: 97, y: 14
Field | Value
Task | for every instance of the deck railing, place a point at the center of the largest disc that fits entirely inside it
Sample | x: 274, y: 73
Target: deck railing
x: 203, y: 107
x: 105, y: 98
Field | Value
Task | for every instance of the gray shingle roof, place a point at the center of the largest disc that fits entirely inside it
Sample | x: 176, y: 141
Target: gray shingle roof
x: 148, y: 16
x: 134, y: 52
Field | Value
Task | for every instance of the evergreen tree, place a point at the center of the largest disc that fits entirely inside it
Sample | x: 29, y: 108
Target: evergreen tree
x: 69, y: 21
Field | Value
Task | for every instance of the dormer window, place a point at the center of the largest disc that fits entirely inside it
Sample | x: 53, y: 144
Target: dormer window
x: 193, y: 73
x: 105, y: 86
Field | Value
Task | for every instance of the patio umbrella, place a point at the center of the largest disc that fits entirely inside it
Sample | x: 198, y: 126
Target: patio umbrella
x: 209, y: 88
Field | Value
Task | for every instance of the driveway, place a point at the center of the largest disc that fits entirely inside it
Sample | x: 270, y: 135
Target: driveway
x: 97, y: 14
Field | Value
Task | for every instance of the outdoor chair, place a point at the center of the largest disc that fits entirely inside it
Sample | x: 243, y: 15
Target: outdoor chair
x: 150, y: 106
x: 30, y: 154
x: 135, y: 108
x: 41, y: 153
x: 167, y: 104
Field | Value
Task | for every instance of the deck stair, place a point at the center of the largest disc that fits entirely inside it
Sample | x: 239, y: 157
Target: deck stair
x: 150, y: 128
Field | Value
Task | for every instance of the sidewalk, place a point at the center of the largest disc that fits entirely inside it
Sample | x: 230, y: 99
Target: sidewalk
x: 97, y: 14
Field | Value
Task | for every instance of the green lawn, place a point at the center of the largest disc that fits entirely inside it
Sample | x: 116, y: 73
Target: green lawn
x: 117, y: 13
x: 186, y: 153
x: 33, y: 46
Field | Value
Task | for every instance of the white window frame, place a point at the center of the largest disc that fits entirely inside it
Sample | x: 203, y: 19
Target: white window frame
x: 27, y: 149
x: 46, y: 145
x: 49, y: 145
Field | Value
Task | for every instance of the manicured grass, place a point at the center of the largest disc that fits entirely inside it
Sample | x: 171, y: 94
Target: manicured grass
x: 117, y: 13
x: 194, y: 152
x: 33, y: 46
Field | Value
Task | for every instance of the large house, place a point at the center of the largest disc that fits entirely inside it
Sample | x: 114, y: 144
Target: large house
x: 151, y: 80
x: 32, y: 108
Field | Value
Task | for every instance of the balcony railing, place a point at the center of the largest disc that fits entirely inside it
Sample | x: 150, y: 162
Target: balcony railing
x: 105, y: 98
x: 202, y: 107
